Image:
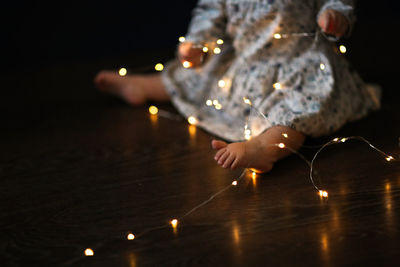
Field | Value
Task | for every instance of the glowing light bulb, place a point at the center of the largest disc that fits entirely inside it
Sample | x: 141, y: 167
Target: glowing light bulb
x: 285, y: 135
x: 218, y: 106
x: 246, y: 101
x: 389, y: 158
x: 209, y: 102
x: 323, y: 193
x: 336, y: 139
x: 342, y: 49
x: 159, y: 67
x: 234, y: 183
x: 89, y: 252
x: 254, y: 175
x: 277, y: 36
x: 322, y: 66
x: 174, y: 223
x: 205, y: 49
x: 130, y: 236
x: 343, y: 140
x: 182, y: 39
x: 122, y: 72
x: 215, y: 102
x: 220, y: 41
x: 277, y: 86
x: 221, y: 83
x: 192, y: 120
x: 281, y: 145
x: 153, y: 110
x: 187, y: 64
x: 217, y: 50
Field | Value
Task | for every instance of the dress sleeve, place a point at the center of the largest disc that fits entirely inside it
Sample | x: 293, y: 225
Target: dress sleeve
x: 208, y: 22
x: 346, y: 7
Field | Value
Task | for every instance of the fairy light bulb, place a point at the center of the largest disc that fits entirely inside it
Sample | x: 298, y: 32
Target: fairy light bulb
x: 159, y: 67
x: 174, y: 223
x: 209, y: 102
x: 130, y: 236
x: 281, y: 145
x: 182, y: 39
x: 220, y: 41
x: 218, y: 106
x: 122, y: 72
x: 187, y: 64
x: 254, y: 175
x: 192, y: 120
x: 343, y: 140
x: 323, y: 193
x: 217, y: 50
x: 205, y: 49
x: 246, y: 101
x: 215, y: 102
x: 336, y: 139
x: 277, y: 86
x: 285, y: 135
x: 234, y: 183
x: 153, y: 110
x: 221, y: 83
x: 322, y: 66
x: 342, y: 49
x: 277, y: 36
x: 89, y: 252
x: 389, y: 158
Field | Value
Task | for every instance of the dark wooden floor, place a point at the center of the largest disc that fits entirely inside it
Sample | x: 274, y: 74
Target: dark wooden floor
x: 79, y: 169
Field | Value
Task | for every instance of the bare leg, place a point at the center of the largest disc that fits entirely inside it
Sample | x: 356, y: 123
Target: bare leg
x: 134, y: 89
x: 259, y: 153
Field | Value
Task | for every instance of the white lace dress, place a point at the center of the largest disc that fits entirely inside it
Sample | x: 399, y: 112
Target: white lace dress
x: 302, y: 82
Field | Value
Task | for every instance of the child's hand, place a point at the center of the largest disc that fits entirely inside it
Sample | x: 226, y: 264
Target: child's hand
x: 188, y: 52
x: 333, y: 22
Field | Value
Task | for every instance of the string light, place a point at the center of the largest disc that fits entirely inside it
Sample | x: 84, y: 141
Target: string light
x: 174, y: 223
x: 187, y: 64
x: 342, y: 49
x: 220, y: 41
x: 254, y: 175
x: 277, y: 86
x: 221, y: 83
x: 217, y: 50
x: 182, y: 39
x: 153, y: 110
x: 323, y: 193
x: 218, y: 106
x: 122, y: 72
x: 89, y: 252
x: 246, y: 101
x: 130, y: 236
x: 389, y: 158
x: 159, y: 67
x: 192, y: 120
x: 322, y: 66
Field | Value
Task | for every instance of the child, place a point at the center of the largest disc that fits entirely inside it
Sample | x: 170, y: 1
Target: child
x: 298, y: 82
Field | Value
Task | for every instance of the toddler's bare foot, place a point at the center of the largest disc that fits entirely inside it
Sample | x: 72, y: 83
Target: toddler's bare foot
x: 259, y: 153
x: 134, y: 89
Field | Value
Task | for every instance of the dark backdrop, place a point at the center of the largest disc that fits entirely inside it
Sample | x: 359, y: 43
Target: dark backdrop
x: 41, y: 35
